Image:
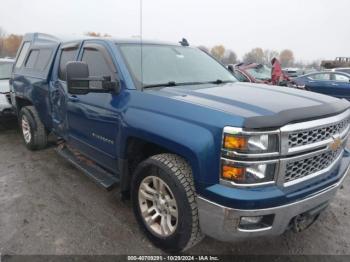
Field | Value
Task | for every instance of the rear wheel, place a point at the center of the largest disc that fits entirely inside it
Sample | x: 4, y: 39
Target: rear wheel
x: 33, y: 131
x: 164, y: 202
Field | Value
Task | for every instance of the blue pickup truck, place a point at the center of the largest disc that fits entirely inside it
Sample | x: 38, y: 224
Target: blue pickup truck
x: 198, y: 152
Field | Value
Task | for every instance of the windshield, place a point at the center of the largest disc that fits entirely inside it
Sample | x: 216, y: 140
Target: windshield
x: 174, y: 65
x: 5, y: 70
x: 261, y: 72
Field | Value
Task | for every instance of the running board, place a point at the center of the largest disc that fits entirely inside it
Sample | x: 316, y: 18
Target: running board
x: 88, y: 167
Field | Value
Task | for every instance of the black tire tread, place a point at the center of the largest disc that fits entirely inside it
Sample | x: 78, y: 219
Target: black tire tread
x: 39, y: 133
x: 183, y: 172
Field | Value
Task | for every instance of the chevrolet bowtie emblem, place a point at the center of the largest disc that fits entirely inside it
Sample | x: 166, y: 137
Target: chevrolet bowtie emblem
x: 335, y: 144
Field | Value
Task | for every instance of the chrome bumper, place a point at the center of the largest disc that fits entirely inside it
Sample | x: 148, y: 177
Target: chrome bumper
x: 222, y: 223
x: 5, y: 105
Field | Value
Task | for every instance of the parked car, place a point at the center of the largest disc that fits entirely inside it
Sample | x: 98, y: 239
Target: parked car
x: 253, y: 73
x: 330, y: 83
x: 341, y: 69
x: 5, y: 98
x: 198, y: 152
x: 293, y: 72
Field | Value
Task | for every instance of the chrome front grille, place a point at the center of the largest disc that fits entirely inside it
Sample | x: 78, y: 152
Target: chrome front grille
x: 312, y: 165
x: 310, y: 136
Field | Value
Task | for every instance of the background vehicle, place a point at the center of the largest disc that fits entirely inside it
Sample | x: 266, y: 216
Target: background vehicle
x: 198, y: 152
x: 331, y: 83
x: 293, y: 72
x: 253, y: 72
x: 5, y: 98
x: 342, y: 69
x: 256, y: 73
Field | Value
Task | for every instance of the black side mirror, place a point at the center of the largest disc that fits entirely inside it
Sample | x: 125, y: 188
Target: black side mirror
x: 231, y: 68
x: 77, y: 77
x: 78, y: 80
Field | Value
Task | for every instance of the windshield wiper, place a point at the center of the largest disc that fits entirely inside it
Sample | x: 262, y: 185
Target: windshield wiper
x: 170, y: 83
x: 219, y: 81
x: 173, y: 83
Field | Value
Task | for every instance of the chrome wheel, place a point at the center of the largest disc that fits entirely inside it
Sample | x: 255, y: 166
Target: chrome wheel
x: 26, y: 129
x: 158, y: 206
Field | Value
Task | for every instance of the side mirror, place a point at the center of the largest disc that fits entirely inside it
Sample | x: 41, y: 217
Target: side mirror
x: 78, y: 80
x: 77, y: 77
x: 231, y: 68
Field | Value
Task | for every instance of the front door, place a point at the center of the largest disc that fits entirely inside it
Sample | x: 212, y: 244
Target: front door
x: 341, y: 85
x: 93, y: 122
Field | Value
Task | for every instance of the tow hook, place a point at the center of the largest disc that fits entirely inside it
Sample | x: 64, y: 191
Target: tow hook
x: 305, y: 220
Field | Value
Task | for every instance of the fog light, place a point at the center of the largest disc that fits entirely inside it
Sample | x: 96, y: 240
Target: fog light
x: 250, y: 220
x: 256, y: 222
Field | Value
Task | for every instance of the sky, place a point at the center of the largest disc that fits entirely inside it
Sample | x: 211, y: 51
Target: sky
x: 312, y: 29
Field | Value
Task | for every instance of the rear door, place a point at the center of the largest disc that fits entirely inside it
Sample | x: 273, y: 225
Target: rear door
x: 93, y: 121
x: 58, y: 87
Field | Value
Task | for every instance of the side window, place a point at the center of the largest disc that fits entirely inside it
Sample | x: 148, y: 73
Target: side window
x: 38, y: 59
x: 322, y: 77
x: 98, y: 65
x: 43, y: 59
x: 341, y: 78
x: 32, y: 58
x: 66, y: 56
x: 22, y: 55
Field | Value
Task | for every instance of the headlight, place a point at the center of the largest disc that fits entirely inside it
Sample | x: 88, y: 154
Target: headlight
x: 250, y: 142
x: 240, y: 148
x: 248, y: 173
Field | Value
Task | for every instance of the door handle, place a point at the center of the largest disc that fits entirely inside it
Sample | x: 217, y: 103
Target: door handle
x: 73, y: 99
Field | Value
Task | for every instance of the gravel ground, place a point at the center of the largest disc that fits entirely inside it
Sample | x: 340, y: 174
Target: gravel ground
x: 49, y: 207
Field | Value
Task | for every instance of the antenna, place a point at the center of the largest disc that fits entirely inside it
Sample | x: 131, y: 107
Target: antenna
x: 141, y: 42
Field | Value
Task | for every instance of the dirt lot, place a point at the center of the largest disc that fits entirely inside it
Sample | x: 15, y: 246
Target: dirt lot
x: 49, y: 207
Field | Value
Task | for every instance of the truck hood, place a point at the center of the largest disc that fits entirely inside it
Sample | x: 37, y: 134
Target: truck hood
x: 260, y: 105
x: 4, y: 86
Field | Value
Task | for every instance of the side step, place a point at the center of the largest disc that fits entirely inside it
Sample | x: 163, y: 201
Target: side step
x: 99, y: 175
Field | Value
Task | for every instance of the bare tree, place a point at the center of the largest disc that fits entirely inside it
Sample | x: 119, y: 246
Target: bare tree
x: 230, y: 57
x: 2, y: 36
x: 97, y: 34
x: 218, y: 52
x: 256, y: 55
x: 268, y: 55
x: 287, y: 58
x: 11, y: 44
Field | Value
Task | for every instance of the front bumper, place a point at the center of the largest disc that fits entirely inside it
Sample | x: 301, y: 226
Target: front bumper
x: 6, y: 108
x: 223, y: 223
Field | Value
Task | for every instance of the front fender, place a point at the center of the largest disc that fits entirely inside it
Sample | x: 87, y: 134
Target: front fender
x: 195, y: 143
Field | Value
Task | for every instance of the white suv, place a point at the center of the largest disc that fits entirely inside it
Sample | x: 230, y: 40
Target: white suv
x: 5, y: 98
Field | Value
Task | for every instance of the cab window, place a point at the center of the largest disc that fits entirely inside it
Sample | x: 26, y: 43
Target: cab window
x: 22, y: 55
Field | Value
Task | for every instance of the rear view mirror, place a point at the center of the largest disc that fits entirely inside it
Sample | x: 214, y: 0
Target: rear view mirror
x: 78, y: 80
x: 231, y: 68
x: 77, y: 77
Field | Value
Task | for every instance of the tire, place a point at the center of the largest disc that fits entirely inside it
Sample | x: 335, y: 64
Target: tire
x: 33, y: 131
x: 178, y: 191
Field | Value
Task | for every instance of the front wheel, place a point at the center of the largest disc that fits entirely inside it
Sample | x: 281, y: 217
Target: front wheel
x: 164, y: 202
